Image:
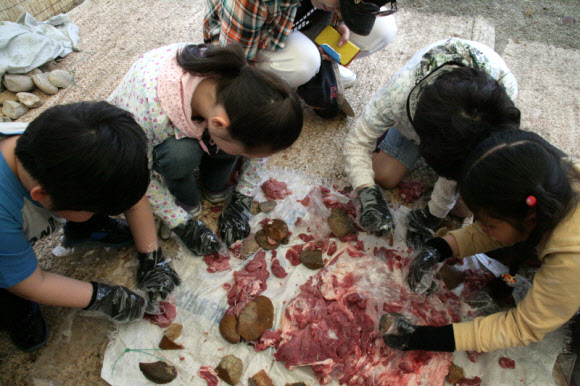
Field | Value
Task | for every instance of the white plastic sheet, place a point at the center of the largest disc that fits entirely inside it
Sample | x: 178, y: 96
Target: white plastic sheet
x: 201, y: 302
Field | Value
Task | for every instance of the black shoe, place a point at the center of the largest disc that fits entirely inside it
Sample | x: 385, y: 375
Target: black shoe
x: 31, y: 332
x: 112, y: 233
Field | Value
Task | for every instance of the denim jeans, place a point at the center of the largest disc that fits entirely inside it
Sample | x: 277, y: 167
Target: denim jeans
x: 177, y: 159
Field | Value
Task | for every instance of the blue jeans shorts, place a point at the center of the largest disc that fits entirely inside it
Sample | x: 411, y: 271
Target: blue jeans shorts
x: 405, y: 151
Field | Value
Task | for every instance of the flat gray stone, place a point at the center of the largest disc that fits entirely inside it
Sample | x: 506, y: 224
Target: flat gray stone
x: 18, y: 83
x: 42, y: 82
x: 29, y: 100
x: 4, y: 118
x: 7, y: 96
x: 60, y: 78
x: 13, y: 109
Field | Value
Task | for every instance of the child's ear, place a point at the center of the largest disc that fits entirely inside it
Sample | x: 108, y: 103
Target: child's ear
x: 220, y: 120
x: 41, y: 196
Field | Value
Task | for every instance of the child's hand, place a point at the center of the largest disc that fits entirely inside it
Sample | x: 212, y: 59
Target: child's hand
x: 234, y: 222
x: 119, y: 303
x: 197, y: 237
x: 422, y: 225
x: 344, y: 32
x: 408, y: 337
x: 156, y: 276
x: 421, y: 272
x: 375, y: 215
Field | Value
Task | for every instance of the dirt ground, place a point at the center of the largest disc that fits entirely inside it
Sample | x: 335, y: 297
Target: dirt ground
x: 74, y: 352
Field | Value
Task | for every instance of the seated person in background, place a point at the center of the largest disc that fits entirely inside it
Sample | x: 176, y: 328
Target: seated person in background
x: 74, y: 162
x: 450, y: 96
x: 520, y: 189
x: 283, y: 32
x: 204, y: 107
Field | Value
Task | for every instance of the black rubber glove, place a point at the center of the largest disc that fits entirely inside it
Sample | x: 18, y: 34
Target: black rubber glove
x: 119, y: 303
x: 422, y: 225
x: 197, y: 237
x: 156, y: 276
x: 234, y: 222
x: 427, y: 338
x: 435, y: 251
x: 375, y: 215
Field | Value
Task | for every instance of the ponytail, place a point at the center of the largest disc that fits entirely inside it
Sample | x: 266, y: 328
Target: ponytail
x: 514, y: 173
x: 265, y: 114
x: 204, y: 60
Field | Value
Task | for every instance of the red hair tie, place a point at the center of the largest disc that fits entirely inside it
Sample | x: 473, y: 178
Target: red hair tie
x: 531, y: 201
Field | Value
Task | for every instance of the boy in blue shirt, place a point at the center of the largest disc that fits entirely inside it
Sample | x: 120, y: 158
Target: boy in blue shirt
x: 80, y: 162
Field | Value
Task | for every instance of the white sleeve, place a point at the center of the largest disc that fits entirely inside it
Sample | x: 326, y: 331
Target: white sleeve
x: 360, y: 141
x: 443, y: 197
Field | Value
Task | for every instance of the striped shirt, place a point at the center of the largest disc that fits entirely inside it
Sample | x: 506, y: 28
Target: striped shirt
x: 254, y: 24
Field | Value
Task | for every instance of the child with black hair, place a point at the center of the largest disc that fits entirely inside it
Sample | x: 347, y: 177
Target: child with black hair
x: 75, y: 162
x: 521, y: 189
x: 445, y: 100
x: 203, y: 107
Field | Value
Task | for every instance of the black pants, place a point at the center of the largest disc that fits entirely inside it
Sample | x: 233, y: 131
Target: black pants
x: 12, y: 309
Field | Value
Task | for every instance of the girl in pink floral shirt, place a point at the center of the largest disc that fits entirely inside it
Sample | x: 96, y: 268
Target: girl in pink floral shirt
x: 203, y: 107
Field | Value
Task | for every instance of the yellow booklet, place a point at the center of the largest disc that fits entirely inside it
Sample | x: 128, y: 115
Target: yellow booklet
x: 328, y: 41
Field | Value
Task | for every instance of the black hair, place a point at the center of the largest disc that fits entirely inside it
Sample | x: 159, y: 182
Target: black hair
x: 88, y: 156
x: 508, y: 167
x: 263, y: 110
x: 456, y: 112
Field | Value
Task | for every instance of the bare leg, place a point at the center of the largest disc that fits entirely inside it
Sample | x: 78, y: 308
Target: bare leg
x: 388, y: 170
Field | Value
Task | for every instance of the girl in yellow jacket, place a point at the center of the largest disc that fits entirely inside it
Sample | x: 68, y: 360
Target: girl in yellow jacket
x: 521, y: 189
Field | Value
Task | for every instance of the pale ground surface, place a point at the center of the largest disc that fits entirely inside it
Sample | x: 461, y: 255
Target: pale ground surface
x: 539, y: 48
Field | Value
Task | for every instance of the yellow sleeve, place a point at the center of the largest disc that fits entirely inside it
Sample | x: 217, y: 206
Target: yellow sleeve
x: 551, y: 301
x: 471, y: 240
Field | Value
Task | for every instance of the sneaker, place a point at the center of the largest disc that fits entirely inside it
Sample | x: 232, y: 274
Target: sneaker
x: 347, y: 76
x: 31, y: 332
x: 196, y: 211
x: 217, y: 197
x: 114, y: 233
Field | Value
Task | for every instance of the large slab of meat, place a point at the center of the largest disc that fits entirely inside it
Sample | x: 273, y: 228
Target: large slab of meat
x: 332, y: 325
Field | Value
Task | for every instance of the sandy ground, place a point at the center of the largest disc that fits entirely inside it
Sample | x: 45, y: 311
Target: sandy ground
x: 541, y: 50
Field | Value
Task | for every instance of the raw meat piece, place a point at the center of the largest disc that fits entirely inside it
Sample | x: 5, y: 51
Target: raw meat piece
x: 410, y: 191
x: 306, y: 238
x: 475, y: 280
x: 332, y: 325
x: 473, y: 355
x: 507, y: 363
x: 275, y: 190
x: 475, y: 381
x: 217, y: 262
x: 268, y: 339
x: 209, y: 374
x: 305, y: 201
x: 293, y: 254
x: 331, y: 248
x: 278, y: 270
x: 166, y: 317
x: 248, y: 283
